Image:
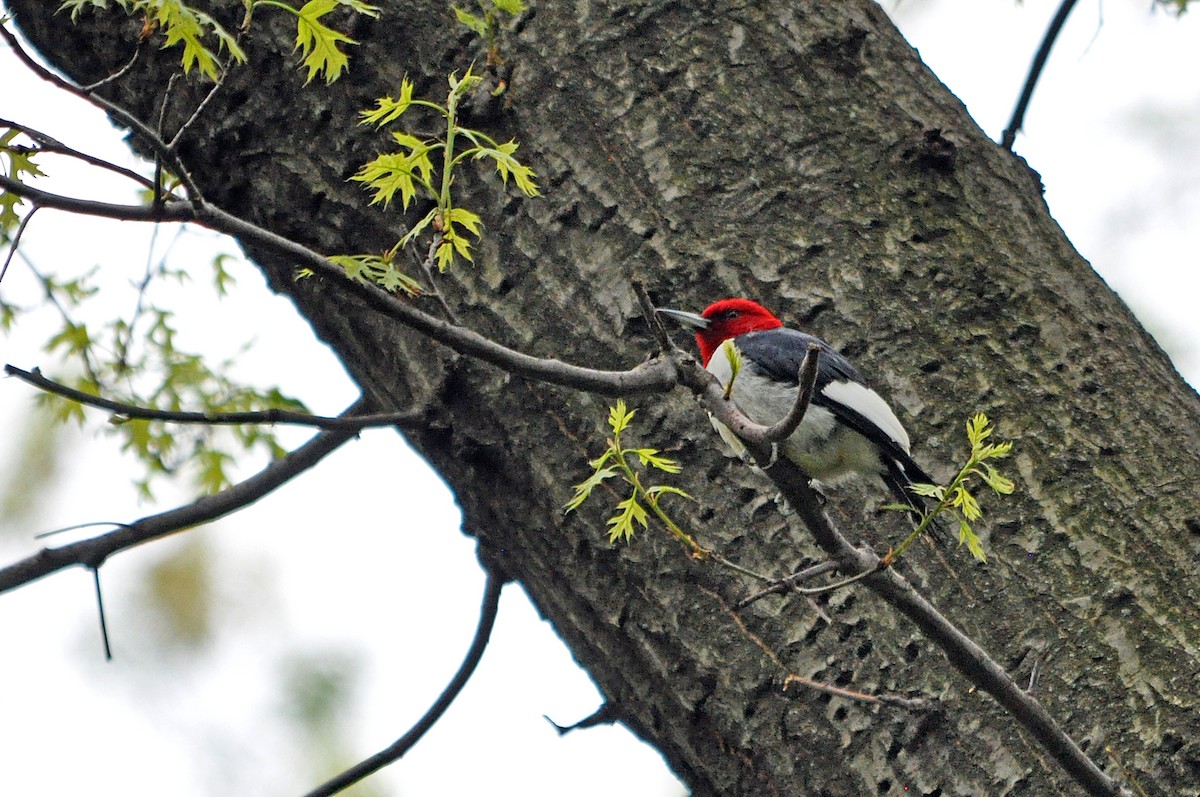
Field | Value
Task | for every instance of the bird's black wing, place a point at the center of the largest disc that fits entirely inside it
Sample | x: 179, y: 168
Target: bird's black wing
x: 779, y: 352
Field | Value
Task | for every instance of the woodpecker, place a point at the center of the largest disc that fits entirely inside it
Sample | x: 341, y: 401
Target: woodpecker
x: 848, y: 428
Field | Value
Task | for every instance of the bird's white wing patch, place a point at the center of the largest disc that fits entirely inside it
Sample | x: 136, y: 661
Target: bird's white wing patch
x: 870, y: 405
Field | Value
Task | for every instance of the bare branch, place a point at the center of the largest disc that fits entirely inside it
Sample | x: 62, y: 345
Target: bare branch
x: 912, y: 704
x: 665, y: 344
x: 15, y: 244
x: 272, y: 416
x: 1035, y: 71
x: 51, y: 145
x: 396, y: 750
x: 653, y: 376
x: 93, y: 552
x: 789, y: 583
x: 808, y: 380
x: 137, y: 51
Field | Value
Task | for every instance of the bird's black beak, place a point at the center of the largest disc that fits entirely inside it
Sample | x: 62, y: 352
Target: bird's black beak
x: 691, y: 320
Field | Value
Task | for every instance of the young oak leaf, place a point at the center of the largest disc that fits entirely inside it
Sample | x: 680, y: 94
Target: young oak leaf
x: 651, y: 458
x: 629, y: 511
x: 318, y: 43
x: 506, y: 165
x: 476, y: 24
x: 619, y: 416
x: 186, y: 25
x: 388, y: 110
x: 585, y: 487
x: 387, y: 174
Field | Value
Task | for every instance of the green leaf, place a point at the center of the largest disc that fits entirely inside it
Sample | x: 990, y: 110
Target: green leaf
x: 318, y: 44
x: 584, y: 488
x: 735, y: 363
x: 509, y: 6
x: 928, y: 490
x: 418, y: 154
x: 651, y: 458
x: 417, y: 228
x: 211, y: 475
x: 388, y: 110
x: 506, y: 165
x: 462, y: 247
x: 387, y: 174
x: 393, y: 280
x: 966, y: 502
x: 444, y: 255
x: 967, y: 534
x: 654, y: 491
x: 977, y: 430
x: 76, y: 7
x: 20, y: 164
x: 996, y: 481
x: 464, y: 217
x: 186, y: 25
x: 477, y: 24
x: 629, y: 512
x: 619, y: 417
x: 222, y: 279
x: 460, y: 87
x: 360, y: 7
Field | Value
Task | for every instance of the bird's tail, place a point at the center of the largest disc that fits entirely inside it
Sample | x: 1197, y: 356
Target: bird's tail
x: 900, y: 476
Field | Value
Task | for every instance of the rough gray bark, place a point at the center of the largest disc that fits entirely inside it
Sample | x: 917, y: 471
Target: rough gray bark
x: 782, y: 152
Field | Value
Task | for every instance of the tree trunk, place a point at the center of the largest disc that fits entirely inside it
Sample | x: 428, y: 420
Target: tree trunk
x: 790, y: 153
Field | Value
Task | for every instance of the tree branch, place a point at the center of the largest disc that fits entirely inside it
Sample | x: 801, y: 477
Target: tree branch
x: 53, y: 146
x: 653, y: 376
x: 807, y: 379
x: 271, y: 416
x: 396, y: 750
x: 93, y: 552
x: 1035, y: 71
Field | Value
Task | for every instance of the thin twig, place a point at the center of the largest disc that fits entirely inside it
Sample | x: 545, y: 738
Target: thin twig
x: 120, y: 114
x: 1035, y: 71
x: 272, y: 416
x: 427, y: 269
x: 396, y: 750
x: 118, y: 74
x: 93, y: 552
x: 665, y: 344
x: 912, y: 704
x: 787, y: 584
x: 49, y: 144
x: 100, y: 610
x: 15, y: 243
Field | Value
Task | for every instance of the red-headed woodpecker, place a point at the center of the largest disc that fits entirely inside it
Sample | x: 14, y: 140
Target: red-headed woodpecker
x: 848, y: 428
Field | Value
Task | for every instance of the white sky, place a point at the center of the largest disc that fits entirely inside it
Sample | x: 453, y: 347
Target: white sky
x: 362, y: 558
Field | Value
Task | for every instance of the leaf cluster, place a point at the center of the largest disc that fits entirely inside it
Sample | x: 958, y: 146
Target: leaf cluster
x: 956, y: 499
x: 485, y: 24
x: 204, y: 39
x: 642, y: 501
x: 16, y: 162
x: 426, y: 168
x: 138, y: 360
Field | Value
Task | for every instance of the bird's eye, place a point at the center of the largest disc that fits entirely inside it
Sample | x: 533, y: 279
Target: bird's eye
x: 728, y: 315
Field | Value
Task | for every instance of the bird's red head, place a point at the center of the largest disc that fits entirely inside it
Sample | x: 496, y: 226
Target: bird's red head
x: 729, y: 318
